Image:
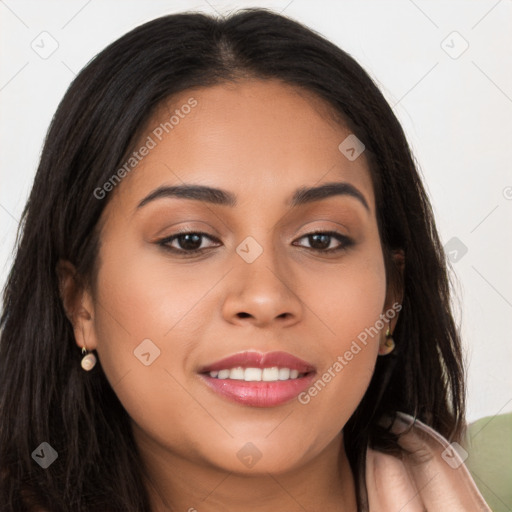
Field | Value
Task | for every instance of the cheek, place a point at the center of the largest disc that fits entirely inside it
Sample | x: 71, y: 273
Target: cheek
x: 348, y: 298
x: 349, y: 304
x: 129, y: 311
x: 143, y: 296
x: 140, y: 325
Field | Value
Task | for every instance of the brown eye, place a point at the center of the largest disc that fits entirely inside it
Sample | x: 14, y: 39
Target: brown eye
x: 321, y: 241
x: 186, y: 242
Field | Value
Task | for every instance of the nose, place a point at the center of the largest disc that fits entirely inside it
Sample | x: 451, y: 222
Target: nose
x: 263, y: 292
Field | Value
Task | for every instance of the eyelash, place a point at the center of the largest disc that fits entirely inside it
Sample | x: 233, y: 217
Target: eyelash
x: 345, y: 242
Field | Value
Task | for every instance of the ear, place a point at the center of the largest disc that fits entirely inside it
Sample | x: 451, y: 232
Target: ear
x: 77, y: 303
x: 395, y: 291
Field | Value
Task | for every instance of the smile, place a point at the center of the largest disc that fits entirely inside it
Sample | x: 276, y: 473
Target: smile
x: 258, y: 380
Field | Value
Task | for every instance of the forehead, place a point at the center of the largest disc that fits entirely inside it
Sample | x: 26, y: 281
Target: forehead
x: 257, y: 138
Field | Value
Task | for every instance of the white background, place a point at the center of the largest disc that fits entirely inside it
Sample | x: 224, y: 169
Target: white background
x: 457, y: 113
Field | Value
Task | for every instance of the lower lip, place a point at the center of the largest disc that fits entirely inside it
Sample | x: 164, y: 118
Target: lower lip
x: 259, y: 393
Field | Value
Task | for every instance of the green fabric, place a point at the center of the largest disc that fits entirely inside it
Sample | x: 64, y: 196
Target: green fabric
x: 489, y: 446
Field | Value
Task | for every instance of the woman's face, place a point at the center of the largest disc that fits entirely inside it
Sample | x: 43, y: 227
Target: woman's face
x: 161, y: 316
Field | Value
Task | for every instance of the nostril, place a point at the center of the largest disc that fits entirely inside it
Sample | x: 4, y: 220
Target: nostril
x: 243, y: 315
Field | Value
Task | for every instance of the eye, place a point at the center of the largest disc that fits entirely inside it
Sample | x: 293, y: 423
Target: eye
x: 186, y: 242
x: 321, y: 241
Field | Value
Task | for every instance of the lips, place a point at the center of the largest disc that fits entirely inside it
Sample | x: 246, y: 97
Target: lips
x: 241, y: 378
x: 258, y: 360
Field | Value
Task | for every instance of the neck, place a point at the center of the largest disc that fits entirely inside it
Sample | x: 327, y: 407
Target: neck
x: 177, y: 484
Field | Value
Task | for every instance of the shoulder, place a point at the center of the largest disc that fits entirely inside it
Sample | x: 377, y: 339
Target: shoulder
x: 429, y: 475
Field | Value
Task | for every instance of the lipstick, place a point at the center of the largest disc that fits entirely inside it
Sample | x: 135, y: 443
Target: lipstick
x: 259, y: 380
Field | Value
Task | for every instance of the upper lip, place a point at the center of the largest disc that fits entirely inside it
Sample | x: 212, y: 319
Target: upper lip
x: 251, y: 359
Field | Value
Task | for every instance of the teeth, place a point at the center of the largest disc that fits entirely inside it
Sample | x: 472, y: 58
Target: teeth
x: 252, y: 374
x: 237, y: 374
x: 284, y: 373
x: 271, y: 374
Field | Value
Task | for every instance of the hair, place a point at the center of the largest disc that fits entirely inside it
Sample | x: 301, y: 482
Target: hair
x: 45, y: 396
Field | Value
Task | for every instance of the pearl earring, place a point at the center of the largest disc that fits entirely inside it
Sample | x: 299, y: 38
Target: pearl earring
x: 88, y: 361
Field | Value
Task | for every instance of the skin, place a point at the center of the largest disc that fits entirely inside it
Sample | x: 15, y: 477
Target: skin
x: 260, y: 140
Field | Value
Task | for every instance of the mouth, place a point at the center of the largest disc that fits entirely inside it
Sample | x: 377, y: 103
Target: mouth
x: 259, y: 380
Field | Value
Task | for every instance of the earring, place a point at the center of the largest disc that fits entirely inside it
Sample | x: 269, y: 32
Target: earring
x: 88, y: 361
x: 388, y: 345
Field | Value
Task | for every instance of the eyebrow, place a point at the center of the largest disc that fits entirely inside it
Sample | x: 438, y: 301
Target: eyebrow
x: 301, y: 196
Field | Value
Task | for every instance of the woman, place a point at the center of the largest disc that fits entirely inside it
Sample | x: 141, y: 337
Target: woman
x: 229, y: 292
